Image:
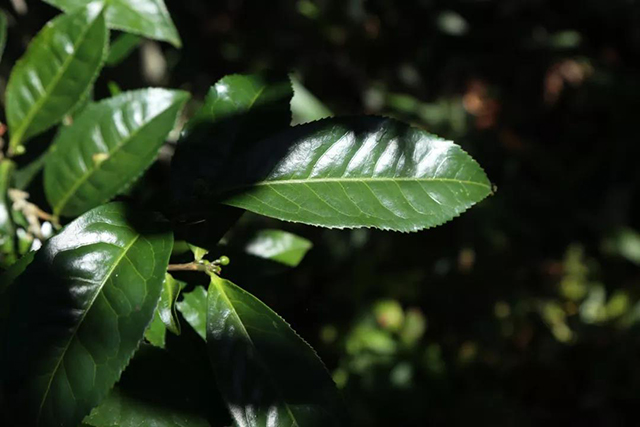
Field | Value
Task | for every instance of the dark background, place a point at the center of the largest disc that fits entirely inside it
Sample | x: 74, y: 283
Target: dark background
x: 525, y: 310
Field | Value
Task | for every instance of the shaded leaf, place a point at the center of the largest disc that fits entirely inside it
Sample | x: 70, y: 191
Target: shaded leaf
x: 165, y: 316
x: 280, y: 246
x: 8, y: 253
x: 238, y: 111
x: 108, y: 147
x: 56, y: 72
x: 356, y: 172
x: 194, y: 310
x: 80, y: 311
x: 3, y: 32
x: 146, y: 398
x: 122, y: 48
x: 267, y: 374
x: 148, y: 18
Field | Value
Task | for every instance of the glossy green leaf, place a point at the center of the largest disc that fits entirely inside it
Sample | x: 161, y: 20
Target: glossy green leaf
x: 267, y: 374
x: 194, y: 310
x: 156, y: 333
x: 148, y: 18
x: 3, y: 32
x: 80, y: 311
x: 122, y: 48
x: 238, y: 111
x: 8, y: 253
x: 165, y: 316
x: 153, y: 393
x: 280, y: 246
x: 56, y: 72
x: 356, y: 172
x: 109, y: 145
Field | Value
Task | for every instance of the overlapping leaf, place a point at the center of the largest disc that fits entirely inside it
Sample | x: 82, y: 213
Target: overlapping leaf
x: 165, y: 316
x: 267, y: 374
x: 80, y: 311
x: 56, y: 72
x: 108, y: 146
x: 148, y: 18
x: 156, y: 390
x: 238, y: 111
x: 356, y: 172
x: 194, y: 310
x: 3, y: 32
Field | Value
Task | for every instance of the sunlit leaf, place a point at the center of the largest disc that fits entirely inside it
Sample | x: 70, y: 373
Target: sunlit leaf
x: 356, y: 172
x: 280, y: 246
x: 148, y: 18
x: 56, y: 72
x: 80, y: 311
x: 108, y: 147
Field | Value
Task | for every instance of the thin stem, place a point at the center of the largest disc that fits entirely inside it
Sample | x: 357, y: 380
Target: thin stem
x: 190, y: 266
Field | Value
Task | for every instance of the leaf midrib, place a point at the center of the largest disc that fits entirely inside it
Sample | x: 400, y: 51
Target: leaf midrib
x: 353, y: 179
x: 220, y: 286
x: 75, y: 330
x: 90, y: 171
x: 15, y: 140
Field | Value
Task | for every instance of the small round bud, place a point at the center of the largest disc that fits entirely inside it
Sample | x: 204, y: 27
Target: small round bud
x: 224, y: 260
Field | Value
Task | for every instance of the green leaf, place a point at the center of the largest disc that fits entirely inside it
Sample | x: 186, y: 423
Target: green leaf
x: 156, y: 333
x: 148, y: 18
x: 356, y: 172
x: 56, y: 72
x: 7, y: 228
x: 238, y: 111
x: 122, y: 48
x: 152, y: 393
x: 167, y: 305
x: 3, y: 32
x: 80, y: 311
x: 280, y: 246
x: 267, y: 374
x: 109, y: 145
x: 24, y: 176
x: 194, y: 310
x: 305, y: 106
x: 165, y: 316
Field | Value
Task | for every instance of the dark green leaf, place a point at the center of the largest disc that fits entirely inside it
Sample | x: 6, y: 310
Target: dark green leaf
x: 267, y: 374
x: 56, y: 73
x: 80, y: 311
x: 3, y: 32
x: 122, y: 48
x: 153, y: 393
x: 356, y: 172
x: 148, y: 18
x: 108, y: 147
x: 25, y: 175
x: 8, y: 253
x: 165, y: 316
x: 238, y: 111
x: 194, y: 310
x: 280, y: 246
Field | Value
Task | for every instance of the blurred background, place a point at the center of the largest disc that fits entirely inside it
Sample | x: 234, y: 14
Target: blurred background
x: 525, y: 310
